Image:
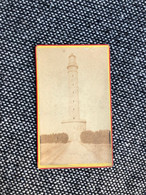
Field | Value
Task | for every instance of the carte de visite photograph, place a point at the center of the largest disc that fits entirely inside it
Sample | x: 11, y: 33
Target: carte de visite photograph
x: 74, y: 117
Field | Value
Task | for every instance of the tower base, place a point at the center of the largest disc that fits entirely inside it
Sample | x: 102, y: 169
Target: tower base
x: 74, y: 128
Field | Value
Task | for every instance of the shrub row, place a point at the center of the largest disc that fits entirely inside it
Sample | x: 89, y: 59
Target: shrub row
x: 54, y: 138
x: 97, y: 137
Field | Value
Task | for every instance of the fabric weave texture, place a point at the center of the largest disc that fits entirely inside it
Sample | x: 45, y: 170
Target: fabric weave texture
x: 27, y: 23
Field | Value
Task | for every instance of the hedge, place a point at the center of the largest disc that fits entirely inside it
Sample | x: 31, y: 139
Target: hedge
x: 97, y: 137
x: 54, y: 138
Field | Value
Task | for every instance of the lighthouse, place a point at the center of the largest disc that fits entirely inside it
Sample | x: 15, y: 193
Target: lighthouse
x: 73, y: 126
x: 73, y: 89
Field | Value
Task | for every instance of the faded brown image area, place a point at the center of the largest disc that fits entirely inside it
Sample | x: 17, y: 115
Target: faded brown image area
x: 73, y: 106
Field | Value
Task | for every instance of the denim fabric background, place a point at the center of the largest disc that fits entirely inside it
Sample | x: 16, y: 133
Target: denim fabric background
x: 27, y: 23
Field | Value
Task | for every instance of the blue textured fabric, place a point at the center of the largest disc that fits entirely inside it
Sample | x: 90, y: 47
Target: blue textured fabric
x: 27, y: 23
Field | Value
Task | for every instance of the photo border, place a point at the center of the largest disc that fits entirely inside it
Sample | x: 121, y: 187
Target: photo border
x: 95, y: 165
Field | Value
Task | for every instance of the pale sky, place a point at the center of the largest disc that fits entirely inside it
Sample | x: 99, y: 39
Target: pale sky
x: 93, y: 77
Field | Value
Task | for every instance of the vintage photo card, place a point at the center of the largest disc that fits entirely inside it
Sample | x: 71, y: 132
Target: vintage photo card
x: 74, y: 125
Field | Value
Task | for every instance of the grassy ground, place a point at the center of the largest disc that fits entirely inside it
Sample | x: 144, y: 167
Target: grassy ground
x: 103, y: 152
x: 75, y: 153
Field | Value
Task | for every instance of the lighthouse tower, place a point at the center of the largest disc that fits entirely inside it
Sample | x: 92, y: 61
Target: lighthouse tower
x: 73, y: 126
x: 73, y: 89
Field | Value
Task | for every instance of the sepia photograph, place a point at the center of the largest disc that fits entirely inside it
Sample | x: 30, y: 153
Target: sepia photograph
x: 74, y: 123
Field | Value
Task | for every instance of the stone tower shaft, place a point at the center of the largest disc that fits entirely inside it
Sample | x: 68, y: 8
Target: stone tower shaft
x: 73, y: 89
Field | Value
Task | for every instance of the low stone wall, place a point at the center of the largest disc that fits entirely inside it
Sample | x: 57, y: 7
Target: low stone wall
x: 74, y: 129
